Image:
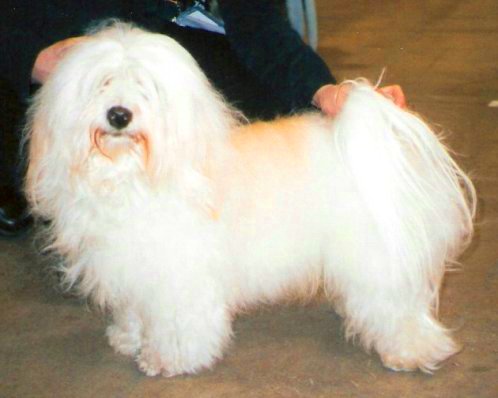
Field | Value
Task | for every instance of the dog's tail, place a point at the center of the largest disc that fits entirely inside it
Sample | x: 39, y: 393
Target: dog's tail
x: 419, y: 201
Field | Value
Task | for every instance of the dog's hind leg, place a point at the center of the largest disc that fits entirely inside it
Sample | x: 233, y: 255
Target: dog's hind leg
x: 381, y: 307
x: 402, y: 211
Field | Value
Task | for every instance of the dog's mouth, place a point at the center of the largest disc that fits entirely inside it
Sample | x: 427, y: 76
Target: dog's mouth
x: 114, y: 144
x: 116, y: 134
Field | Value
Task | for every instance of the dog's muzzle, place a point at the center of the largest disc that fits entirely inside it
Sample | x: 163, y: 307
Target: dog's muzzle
x: 119, y: 117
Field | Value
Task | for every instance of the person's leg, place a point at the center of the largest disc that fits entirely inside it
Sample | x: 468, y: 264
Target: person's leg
x: 13, y: 218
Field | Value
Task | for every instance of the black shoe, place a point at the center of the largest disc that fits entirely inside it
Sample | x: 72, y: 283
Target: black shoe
x: 14, y: 218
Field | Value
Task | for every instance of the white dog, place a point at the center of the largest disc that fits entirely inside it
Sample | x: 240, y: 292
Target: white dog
x: 174, y: 214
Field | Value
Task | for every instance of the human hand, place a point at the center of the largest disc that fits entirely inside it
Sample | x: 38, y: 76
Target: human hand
x: 331, y: 97
x: 49, y: 57
x: 395, y: 94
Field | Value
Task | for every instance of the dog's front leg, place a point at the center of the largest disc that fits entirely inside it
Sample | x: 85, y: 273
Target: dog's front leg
x: 125, y: 334
x: 185, y: 328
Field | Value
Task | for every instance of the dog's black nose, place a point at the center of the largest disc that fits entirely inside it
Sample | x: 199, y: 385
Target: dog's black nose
x: 119, y: 117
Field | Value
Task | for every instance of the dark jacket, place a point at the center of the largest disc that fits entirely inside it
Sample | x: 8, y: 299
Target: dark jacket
x: 257, y: 32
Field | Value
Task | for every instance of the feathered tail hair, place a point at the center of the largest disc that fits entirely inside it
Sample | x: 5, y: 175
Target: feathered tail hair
x: 420, y: 201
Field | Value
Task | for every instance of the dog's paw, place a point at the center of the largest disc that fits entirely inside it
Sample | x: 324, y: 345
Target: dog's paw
x: 150, y: 363
x: 424, y: 352
x: 427, y: 363
x: 169, y: 363
x: 124, y: 342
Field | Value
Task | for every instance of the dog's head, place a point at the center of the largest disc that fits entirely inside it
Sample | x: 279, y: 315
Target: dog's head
x: 122, y: 100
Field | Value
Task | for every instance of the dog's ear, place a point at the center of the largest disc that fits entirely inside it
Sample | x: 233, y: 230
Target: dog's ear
x: 49, y: 159
x: 196, y: 125
x: 191, y: 135
x: 48, y: 58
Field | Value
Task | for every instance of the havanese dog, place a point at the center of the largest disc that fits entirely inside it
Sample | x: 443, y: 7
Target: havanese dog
x: 173, y: 213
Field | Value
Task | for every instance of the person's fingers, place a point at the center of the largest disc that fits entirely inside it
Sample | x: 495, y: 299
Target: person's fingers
x: 331, y: 98
x: 64, y: 45
x: 50, y: 56
x: 395, y: 93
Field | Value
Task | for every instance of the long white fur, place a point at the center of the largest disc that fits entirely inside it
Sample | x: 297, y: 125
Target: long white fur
x: 193, y: 215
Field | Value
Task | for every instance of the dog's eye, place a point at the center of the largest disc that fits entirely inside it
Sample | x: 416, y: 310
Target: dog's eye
x: 104, y: 84
x: 146, y: 89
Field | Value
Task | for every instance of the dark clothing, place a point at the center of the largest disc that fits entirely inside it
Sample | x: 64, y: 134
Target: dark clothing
x: 261, y: 65
x: 257, y: 32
